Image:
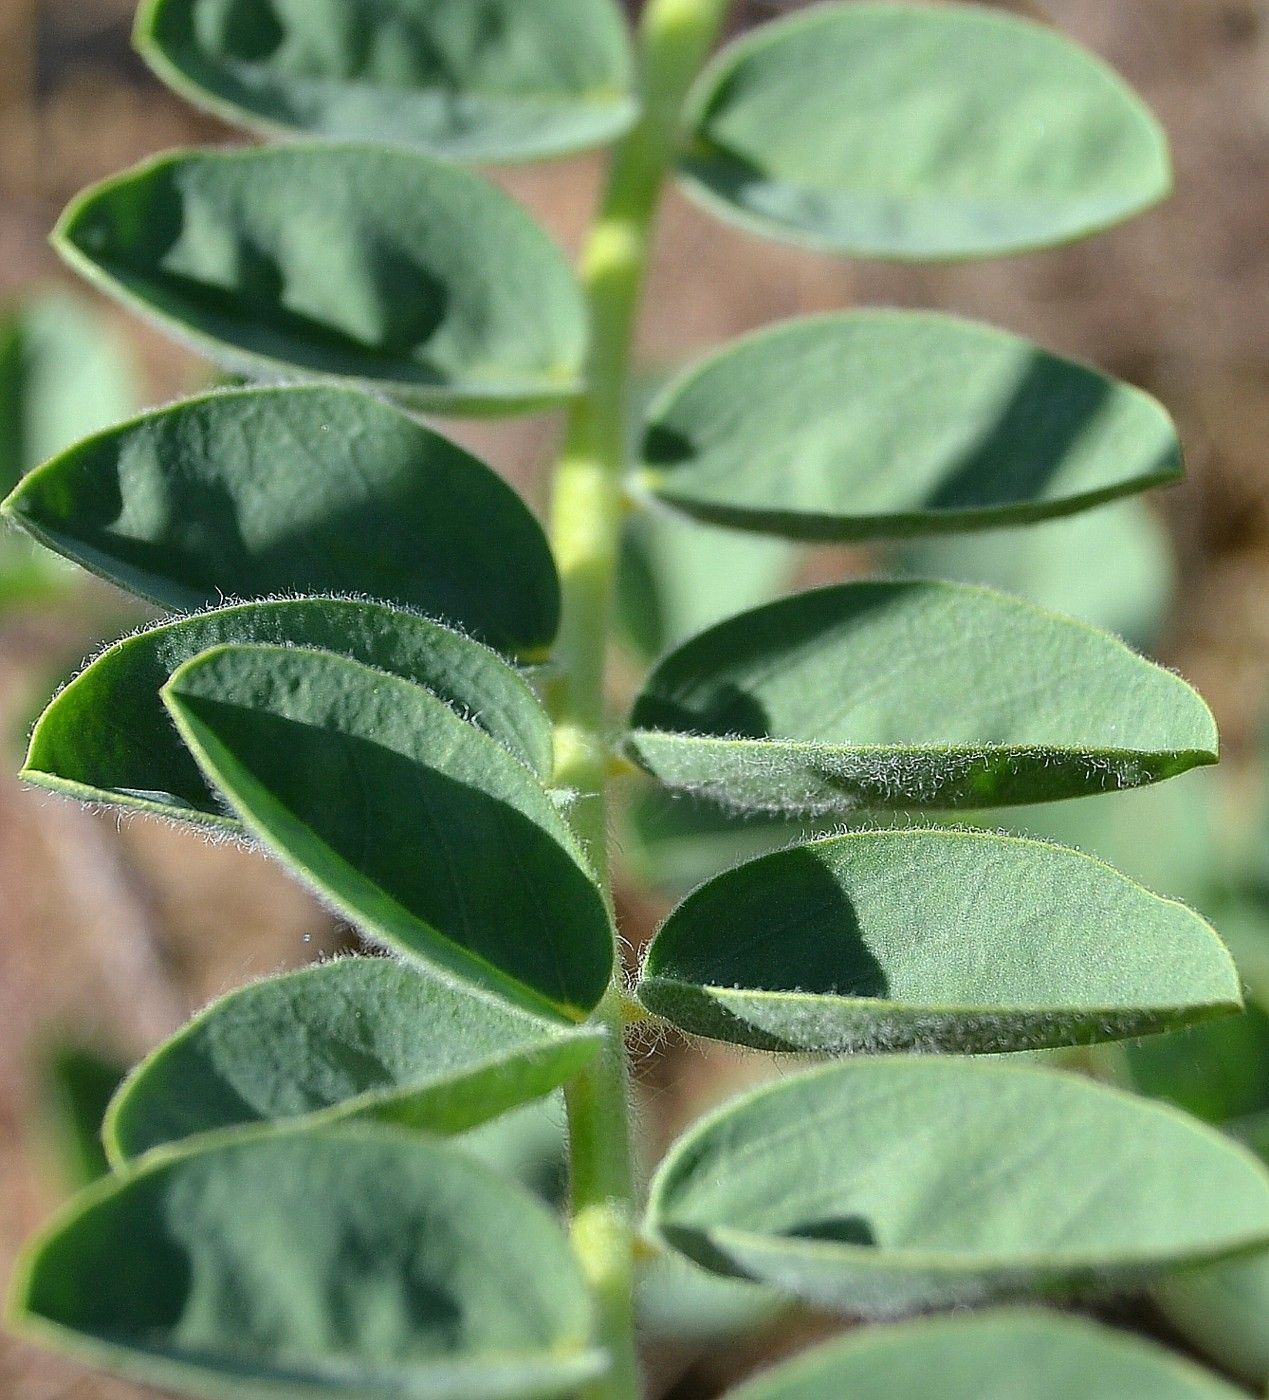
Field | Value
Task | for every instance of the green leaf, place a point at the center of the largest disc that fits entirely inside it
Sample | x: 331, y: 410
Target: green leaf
x: 352, y: 1261
x: 1048, y: 564
x: 885, y: 423
x: 62, y: 375
x: 527, y: 1145
x: 1245, y: 923
x: 674, y: 1300
x: 1167, y: 837
x: 1222, y: 1309
x: 78, y: 1084
x: 1008, y: 1353
x: 876, y: 1186
x: 677, y: 1302
x: 673, y: 840
x: 362, y: 263
x: 1001, y: 944
x: 361, y: 1037
x: 869, y: 129
x: 413, y: 823
x: 675, y: 578
x: 251, y: 492
x: 504, y: 80
x: 1215, y: 1072
x: 107, y: 737
x: 915, y: 694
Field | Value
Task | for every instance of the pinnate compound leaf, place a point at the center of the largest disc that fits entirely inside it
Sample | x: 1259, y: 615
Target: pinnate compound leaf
x: 361, y: 1037
x: 384, y: 267
x: 912, y: 694
x: 253, y: 492
x: 107, y: 737
x: 883, y: 1185
x: 873, y: 130
x: 503, y: 80
x: 414, y: 824
x: 891, y: 423
x: 359, y: 1260
x: 1010, y: 1352
x: 947, y: 940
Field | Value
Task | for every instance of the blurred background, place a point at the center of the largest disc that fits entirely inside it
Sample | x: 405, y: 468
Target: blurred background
x: 112, y: 933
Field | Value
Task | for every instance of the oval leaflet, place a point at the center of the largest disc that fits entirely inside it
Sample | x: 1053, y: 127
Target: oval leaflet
x: 505, y: 898
x: 384, y: 268
x: 878, y: 1186
x: 867, y: 129
x: 359, y: 1037
x: 106, y: 736
x: 508, y: 80
x: 251, y: 493
x: 212, y: 1273
x: 1002, y: 944
x: 911, y: 694
x: 871, y: 424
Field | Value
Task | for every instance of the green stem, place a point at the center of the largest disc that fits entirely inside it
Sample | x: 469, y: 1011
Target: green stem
x: 674, y: 38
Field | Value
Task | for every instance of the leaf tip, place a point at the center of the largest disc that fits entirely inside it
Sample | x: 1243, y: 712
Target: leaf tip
x: 113, y: 1133
x: 11, y: 509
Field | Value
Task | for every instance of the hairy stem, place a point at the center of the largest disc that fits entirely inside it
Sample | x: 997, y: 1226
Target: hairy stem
x: 674, y: 38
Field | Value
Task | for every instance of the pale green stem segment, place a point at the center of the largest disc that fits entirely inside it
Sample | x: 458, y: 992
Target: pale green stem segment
x: 675, y: 36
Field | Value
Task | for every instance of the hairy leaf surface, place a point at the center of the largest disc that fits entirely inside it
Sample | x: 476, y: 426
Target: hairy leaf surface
x: 932, y: 940
x: 912, y: 694
x: 252, y: 492
x: 108, y: 738
x: 878, y: 1186
x: 916, y: 132
x: 503, y: 80
x: 354, y: 1260
x: 1010, y: 1352
x: 361, y: 1037
x: 384, y: 267
x: 888, y: 423
x: 413, y: 823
